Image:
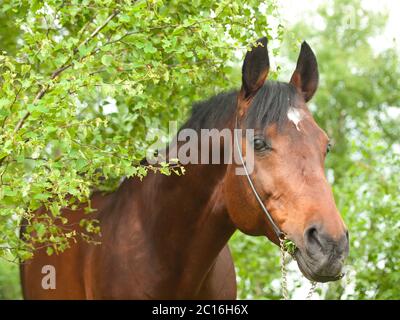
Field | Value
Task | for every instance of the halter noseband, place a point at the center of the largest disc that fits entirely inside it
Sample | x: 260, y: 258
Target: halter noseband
x: 276, y: 229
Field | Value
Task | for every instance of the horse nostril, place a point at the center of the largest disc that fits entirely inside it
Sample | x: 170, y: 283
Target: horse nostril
x: 312, y: 238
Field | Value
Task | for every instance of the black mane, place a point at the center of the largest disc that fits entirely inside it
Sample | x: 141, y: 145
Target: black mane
x: 270, y: 105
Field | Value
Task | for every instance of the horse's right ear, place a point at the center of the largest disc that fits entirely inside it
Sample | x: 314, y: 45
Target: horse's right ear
x: 305, y: 77
x: 255, y: 70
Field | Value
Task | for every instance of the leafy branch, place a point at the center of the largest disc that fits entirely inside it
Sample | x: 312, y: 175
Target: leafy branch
x: 66, y: 66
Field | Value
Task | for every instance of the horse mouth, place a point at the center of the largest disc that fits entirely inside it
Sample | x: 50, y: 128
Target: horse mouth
x: 312, y: 272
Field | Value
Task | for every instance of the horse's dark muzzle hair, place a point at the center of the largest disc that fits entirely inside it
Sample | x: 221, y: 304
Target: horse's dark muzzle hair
x: 322, y: 257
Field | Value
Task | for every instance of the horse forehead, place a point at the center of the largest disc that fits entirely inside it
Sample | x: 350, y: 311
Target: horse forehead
x: 299, y: 129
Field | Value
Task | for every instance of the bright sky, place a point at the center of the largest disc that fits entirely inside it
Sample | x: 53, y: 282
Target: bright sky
x: 295, y: 10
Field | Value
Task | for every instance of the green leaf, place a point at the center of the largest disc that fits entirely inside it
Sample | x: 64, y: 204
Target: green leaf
x: 149, y: 48
x: 107, y: 60
x: 49, y: 251
x: 40, y: 229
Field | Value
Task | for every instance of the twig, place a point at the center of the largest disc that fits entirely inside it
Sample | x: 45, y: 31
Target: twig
x: 37, y: 98
x: 98, y: 29
x: 12, y: 105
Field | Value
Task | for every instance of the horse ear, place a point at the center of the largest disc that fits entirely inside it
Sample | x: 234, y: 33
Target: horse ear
x: 255, y: 69
x: 306, y: 75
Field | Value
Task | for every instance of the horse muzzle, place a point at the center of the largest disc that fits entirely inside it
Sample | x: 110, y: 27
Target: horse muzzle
x: 321, y: 258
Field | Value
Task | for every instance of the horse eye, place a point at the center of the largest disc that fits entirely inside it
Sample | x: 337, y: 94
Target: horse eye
x: 260, y: 144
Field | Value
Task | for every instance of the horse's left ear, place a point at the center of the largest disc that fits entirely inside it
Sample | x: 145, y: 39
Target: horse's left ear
x: 255, y: 67
x: 254, y: 73
x: 306, y: 75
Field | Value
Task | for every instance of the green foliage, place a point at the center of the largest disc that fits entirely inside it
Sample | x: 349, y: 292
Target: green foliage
x: 10, y: 287
x: 257, y: 267
x: 289, y: 246
x: 371, y: 206
x: 82, y: 82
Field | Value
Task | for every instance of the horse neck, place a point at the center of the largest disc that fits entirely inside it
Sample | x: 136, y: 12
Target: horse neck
x: 190, y: 224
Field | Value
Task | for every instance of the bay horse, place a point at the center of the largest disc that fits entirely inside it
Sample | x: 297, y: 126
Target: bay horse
x: 166, y: 237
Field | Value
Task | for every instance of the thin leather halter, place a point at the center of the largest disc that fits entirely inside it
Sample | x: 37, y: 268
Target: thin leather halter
x: 276, y: 229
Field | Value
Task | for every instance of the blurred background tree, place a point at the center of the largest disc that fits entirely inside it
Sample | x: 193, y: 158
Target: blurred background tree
x: 94, y: 118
